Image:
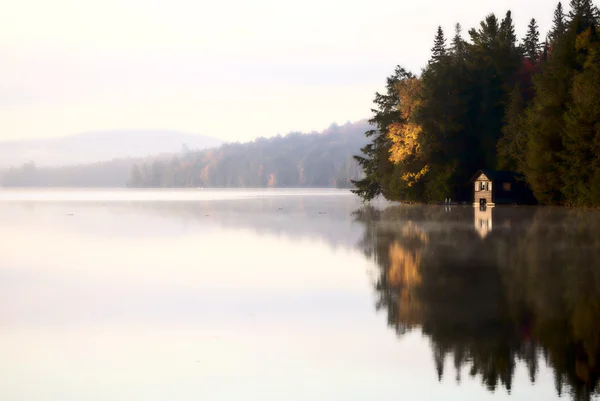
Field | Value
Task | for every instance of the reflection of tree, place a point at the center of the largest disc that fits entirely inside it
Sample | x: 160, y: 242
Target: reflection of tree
x: 529, y: 289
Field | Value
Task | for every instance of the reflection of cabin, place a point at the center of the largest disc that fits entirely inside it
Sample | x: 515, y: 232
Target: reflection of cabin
x: 493, y: 187
x: 483, y: 220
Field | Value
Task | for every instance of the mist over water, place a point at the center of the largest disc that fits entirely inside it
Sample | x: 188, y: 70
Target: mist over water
x: 293, y: 294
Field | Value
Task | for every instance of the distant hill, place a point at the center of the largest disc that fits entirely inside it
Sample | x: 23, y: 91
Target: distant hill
x: 91, y: 147
x: 317, y: 159
x: 295, y: 160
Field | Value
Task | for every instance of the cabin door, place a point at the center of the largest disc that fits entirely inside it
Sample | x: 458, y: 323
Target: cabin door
x: 482, y: 202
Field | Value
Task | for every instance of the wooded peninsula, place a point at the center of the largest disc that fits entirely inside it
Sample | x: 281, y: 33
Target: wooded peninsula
x: 529, y: 106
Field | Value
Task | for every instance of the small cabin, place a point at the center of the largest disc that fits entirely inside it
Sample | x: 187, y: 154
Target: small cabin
x: 491, y: 187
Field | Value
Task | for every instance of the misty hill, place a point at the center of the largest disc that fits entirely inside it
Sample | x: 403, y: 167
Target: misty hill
x: 295, y: 160
x: 99, y: 146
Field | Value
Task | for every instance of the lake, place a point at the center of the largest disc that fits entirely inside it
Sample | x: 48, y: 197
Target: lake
x: 293, y: 295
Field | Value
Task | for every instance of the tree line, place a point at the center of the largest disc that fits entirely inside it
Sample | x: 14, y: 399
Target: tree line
x: 294, y: 160
x: 322, y: 159
x: 493, y: 101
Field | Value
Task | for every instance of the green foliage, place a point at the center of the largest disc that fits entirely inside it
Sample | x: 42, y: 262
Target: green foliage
x: 489, y: 103
x: 512, y: 145
x: 558, y: 25
x: 553, y: 154
x: 531, y: 43
x: 581, y: 157
x: 438, y: 52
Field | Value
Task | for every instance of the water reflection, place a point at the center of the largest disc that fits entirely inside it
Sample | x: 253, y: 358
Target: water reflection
x: 527, y: 291
x: 483, y: 220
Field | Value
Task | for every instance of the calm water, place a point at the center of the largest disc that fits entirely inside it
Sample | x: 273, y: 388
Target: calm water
x: 293, y: 295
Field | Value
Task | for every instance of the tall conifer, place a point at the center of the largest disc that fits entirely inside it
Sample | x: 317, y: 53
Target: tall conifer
x: 531, y: 43
x: 438, y: 51
x: 558, y: 25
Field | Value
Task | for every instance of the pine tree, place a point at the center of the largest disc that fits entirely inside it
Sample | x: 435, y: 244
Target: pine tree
x: 493, y: 62
x: 531, y: 43
x: 458, y: 44
x: 545, y: 121
x: 583, y: 14
x: 507, y: 31
x: 438, y: 52
x: 487, y: 33
x: 558, y: 25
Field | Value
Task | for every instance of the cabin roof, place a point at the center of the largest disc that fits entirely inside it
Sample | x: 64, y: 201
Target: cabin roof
x: 497, y: 175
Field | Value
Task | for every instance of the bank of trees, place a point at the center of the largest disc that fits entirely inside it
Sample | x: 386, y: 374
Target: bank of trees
x: 318, y: 159
x: 493, y: 100
x: 294, y: 160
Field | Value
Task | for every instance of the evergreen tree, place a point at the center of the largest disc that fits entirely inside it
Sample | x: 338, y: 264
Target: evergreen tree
x: 531, y: 43
x: 458, y: 43
x: 375, y: 162
x: 545, y: 121
x: 494, y: 63
x: 487, y: 34
x: 507, y: 31
x: 490, y: 103
x: 558, y: 25
x: 441, y: 115
x: 583, y: 13
x: 438, y: 52
x: 512, y: 145
x: 549, y: 155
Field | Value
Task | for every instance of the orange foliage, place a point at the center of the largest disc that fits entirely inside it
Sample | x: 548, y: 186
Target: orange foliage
x: 405, y: 141
x: 404, y: 266
x: 405, y: 135
x: 409, y: 92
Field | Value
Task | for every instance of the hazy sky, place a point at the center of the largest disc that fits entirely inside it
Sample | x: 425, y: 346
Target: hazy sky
x: 230, y: 69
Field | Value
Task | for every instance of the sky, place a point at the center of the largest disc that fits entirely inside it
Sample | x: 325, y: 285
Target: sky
x: 234, y: 70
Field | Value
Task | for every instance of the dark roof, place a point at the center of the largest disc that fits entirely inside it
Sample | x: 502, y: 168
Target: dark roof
x: 498, y: 175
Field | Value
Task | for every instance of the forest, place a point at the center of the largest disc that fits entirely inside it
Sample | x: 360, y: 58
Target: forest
x: 493, y: 101
x: 317, y: 159
x: 294, y: 160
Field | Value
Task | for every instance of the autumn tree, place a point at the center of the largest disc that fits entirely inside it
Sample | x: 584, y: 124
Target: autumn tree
x: 405, y: 135
x: 378, y: 169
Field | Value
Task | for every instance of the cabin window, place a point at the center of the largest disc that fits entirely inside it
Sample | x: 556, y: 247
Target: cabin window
x: 483, y: 186
x: 506, y: 186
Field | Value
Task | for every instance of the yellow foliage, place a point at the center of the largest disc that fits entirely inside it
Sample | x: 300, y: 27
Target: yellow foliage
x: 404, y: 266
x: 413, y: 178
x: 409, y: 91
x: 405, y: 135
x: 405, y: 141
